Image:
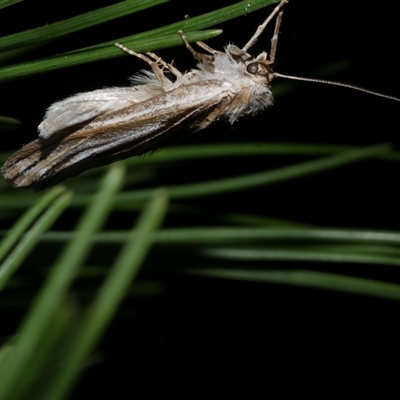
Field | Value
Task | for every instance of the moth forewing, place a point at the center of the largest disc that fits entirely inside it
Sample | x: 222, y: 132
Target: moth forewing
x: 130, y: 131
x: 83, y: 107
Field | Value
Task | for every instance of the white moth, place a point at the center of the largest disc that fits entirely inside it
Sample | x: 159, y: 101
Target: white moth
x: 96, y: 128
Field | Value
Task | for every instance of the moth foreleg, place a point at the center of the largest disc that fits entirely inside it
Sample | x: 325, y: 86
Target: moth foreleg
x: 274, y: 40
x: 261, y: 27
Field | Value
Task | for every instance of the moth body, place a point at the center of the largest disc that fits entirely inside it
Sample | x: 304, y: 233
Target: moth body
x: 98, y: 127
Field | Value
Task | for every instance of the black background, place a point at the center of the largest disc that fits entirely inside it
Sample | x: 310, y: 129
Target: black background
x: 217, y: 339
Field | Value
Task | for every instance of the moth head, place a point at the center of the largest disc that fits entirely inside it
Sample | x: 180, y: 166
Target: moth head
x: 261, y: 66
x: 261, y: 70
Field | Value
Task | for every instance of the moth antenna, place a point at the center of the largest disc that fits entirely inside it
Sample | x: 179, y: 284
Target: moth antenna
x: 346, y: 85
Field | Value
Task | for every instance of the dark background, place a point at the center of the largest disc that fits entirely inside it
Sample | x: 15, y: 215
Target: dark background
x: 209, y: 338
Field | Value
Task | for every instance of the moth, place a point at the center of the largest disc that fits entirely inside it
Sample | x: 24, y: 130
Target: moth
x: 95, y: 128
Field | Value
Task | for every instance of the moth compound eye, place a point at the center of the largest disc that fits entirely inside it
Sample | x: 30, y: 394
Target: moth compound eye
x: 252, y: 68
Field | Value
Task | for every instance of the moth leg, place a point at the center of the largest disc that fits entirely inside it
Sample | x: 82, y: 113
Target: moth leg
x: 168, y: 66
x: 261, y: 27
x: 203, y: 45
x: 274, y: 40
x: 206, y: 47
x: 198, y: 56
x: 153, y: 64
